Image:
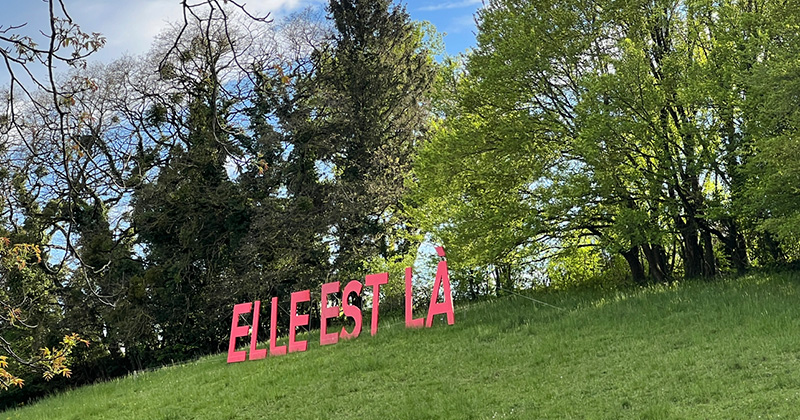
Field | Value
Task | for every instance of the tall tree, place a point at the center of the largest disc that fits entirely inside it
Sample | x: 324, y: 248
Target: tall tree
x: 192, y: 216
x: 374, y: 86
x: 769, y: 170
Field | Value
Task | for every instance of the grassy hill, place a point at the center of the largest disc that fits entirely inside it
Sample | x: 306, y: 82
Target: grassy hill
x: 728, y: 349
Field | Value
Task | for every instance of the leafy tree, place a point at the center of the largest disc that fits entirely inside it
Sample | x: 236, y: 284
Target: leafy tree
x: 622, y: 122
x: 192, y: 216
x: 29, y: 309
x: 770, y: 171
x: 335, y: 125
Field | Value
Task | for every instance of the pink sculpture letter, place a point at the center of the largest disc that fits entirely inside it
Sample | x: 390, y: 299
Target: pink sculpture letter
x: 376, y: 280
x: 326, y: 313
x: 256, y: 354
x: 238, y: 331
x: 445, y: 307
x: 410, y: 322
x: 351, y: 311
x: 297, y: 321
x: 274, y: 348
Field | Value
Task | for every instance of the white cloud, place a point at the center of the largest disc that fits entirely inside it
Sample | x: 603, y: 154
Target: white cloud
x: 460, y: 24
x: 451, y: 5
x: 131, y: 26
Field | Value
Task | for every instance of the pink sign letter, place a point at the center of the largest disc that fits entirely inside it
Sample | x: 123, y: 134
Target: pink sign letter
x: 274, y: 348
x: 351, y: 311
x: 410, y: 322
x: 238, y: 331
x: 256, y: 354
x: 297, y: 321
x: 376, y: 280
x: 445, y: 307
x: 326, y: 313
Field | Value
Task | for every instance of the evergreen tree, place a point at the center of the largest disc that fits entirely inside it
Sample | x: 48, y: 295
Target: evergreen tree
x: 374, y: 89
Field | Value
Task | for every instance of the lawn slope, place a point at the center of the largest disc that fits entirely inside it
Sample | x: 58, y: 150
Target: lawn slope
x: 728, y: 349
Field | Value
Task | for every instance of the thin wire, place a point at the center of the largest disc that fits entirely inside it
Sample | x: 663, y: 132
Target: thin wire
x: 462, y: 309
x: 471, y: 306
x: 534, y: 300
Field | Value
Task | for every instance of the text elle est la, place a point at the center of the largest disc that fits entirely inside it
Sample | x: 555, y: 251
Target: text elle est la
x: 445, y: 307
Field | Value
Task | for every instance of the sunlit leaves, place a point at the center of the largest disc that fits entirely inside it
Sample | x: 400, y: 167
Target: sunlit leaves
x: 623, y: 121
x: 8, y: 380
x: 54, y: 362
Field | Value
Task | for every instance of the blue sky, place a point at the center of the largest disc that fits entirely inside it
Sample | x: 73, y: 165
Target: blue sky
x: 130, y: 26
x: 455, y: 18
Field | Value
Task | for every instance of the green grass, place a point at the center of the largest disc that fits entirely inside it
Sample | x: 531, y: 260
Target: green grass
x: 727, y: 350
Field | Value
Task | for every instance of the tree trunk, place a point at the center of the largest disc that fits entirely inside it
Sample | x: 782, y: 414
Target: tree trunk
x: 509, y: 279
x: 739, y: 258
x: 735, y: 247
x: 656, y: 262
x: 473, y: 293
x: 692, y: 252
x: 692, y: 256
x: 498, y: 282
x: 637, y: 271
x: 709, y: 260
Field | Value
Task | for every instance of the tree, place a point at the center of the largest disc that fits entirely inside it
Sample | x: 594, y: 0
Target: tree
x: 371, y: 110
x: 28, y: 292
x: 285, y: 249
x: 770, y: 172
x: 192, y: 216
x: 624, y: 123
x: 335, y: 125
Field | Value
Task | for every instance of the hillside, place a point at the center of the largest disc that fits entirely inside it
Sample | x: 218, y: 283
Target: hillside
x: 728, y: 349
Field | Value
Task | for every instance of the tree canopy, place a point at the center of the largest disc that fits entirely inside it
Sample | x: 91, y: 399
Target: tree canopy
x: 627, y: 127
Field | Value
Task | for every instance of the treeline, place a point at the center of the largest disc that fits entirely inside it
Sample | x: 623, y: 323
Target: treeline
x: 611, y: 141
x: 579, y: 144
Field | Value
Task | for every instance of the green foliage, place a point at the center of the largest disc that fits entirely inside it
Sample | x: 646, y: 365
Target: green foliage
x: 393, y: 293
x: 624, y: 122
x: 772, y: 171
x: 192, y: 219
x: 23, y: 327
x: 325, y: 154
x: 584, y: 266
